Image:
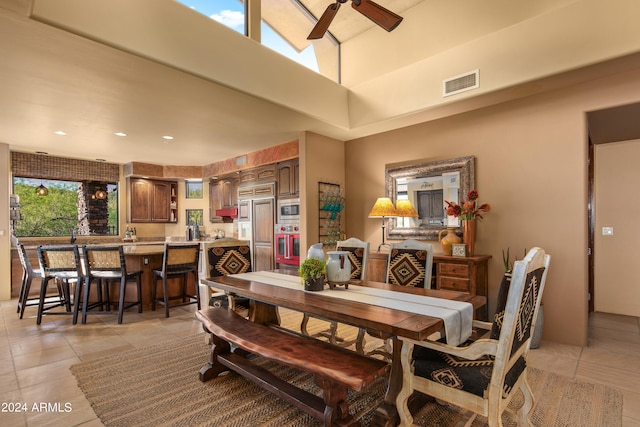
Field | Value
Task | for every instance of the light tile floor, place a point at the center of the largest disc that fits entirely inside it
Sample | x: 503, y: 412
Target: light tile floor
x: 34, y: 360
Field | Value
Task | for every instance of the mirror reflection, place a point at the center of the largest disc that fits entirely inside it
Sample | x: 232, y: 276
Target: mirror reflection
x: 427, y: 185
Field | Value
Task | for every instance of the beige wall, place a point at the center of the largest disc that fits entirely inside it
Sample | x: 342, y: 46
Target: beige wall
x: 616, y: 205
x: 530, y: 165
x: 322, y: 159
x: 5, y: 242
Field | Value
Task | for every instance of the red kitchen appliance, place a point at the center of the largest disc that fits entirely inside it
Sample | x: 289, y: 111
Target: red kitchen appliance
x: 288, y: 245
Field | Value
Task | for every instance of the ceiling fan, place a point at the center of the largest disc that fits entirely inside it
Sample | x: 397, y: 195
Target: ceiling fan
x: 378, y: 14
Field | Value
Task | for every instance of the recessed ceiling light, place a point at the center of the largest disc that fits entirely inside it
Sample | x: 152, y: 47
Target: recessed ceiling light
x: 167, y: 137
x: 120, y: 134
x: 60, y: 132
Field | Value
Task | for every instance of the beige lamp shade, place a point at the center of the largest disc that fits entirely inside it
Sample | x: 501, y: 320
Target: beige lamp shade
x: 405, y: 209
x: 383, y: 208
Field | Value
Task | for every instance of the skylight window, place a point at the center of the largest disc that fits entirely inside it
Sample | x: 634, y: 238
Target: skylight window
x: 230, y: 13
x: 284, y: 27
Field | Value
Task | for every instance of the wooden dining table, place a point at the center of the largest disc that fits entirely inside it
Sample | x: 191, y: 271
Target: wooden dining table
x: 379, y: 321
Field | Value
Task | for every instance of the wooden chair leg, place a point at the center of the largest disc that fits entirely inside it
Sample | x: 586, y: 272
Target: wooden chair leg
x: 165, y: 296
x: 76, y: 301
x: 196, y: 289
x: 24, y: 294
x: 85, y: 299
x: 139, y: 289
x: 23, y: 285
x: 43, y: 293
x: 154, y: 293
x: 123, y: 289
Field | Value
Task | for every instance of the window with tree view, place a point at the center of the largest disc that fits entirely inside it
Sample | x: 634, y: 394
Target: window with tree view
x: 69, y: 208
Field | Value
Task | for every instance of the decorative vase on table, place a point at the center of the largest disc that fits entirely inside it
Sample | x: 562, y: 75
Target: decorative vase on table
x: 314, y: 284
x: 469, y: 235
x: 338, y: 268
x: 448, y: 239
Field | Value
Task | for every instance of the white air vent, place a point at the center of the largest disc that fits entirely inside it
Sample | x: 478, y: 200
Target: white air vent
x: 461, y: 83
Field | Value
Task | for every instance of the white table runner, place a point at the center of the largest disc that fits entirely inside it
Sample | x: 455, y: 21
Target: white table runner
x: 456, y: 315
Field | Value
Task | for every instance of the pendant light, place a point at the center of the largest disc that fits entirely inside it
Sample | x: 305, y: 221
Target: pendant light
x: 41, y: 190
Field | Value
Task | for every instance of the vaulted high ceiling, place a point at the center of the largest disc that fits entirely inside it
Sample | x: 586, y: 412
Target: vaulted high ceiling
x: 149, y: 68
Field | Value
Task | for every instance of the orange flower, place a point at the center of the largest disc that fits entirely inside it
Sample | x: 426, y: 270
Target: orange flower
x: 468, y: 209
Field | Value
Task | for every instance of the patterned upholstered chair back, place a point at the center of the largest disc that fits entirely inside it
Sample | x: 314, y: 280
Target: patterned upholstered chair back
x: 410, y: 264
x: 221, y: 258
x: 358, y: 255
x: 227, y: 256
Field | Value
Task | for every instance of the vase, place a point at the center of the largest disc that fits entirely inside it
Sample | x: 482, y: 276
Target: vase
x: 315, y: 251
x: 469, y: 235
x: 314, y: 284
x: 338, y: 267
x: 448, y: 240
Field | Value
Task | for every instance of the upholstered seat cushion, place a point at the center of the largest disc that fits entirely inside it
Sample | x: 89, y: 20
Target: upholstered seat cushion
x: 472, y: 376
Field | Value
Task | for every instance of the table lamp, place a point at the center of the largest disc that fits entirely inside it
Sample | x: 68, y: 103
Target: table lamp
x: 383, y: 208
x: 404, y: 208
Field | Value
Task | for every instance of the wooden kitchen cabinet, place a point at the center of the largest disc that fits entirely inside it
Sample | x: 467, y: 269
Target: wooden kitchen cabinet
x: 267, y: 173
x: 289, y: 179
x: 263, y: 217
x: 153, y: 200
x: 462, y: 274
x: 223, y: 193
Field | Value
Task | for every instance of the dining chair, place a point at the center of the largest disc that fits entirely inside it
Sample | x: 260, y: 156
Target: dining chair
x: 482, y: 376
x: 62, y: 265
x: 103, y: 266
x: 28, y: 274
x: 410, y: 264
x: 358, y: 253
x: 223, y: 257
x: 179, y: 261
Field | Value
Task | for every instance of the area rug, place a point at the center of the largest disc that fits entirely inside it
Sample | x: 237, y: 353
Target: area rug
x: 159, y: 386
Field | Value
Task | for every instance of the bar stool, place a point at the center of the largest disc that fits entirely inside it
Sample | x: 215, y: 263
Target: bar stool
x: 178, y: 262
x: 28, y: 274
x: 104, y: 265
x: 61, y: 264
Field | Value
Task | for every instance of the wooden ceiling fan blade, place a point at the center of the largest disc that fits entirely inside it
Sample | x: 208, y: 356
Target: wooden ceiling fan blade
x: 378, y: 14
x: 323, y: 23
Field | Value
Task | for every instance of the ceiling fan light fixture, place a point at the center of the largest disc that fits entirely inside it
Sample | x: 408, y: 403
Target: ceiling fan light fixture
x: 377, y: 14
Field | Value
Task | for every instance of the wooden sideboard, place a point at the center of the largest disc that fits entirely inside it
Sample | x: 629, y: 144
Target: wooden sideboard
x: 462, y: 274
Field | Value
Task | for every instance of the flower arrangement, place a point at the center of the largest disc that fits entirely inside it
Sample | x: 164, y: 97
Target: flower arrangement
x: 469, y: 209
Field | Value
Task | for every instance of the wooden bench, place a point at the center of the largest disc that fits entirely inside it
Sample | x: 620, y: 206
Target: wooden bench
x: 335, y: 369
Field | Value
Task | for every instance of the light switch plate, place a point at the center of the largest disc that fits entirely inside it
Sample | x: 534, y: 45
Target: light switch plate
x: 607, y: 231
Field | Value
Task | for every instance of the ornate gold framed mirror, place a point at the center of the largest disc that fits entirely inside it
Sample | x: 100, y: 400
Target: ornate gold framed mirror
x: 427, y: 184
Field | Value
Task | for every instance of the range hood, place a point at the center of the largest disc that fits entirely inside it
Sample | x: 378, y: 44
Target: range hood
x: 227, y: 212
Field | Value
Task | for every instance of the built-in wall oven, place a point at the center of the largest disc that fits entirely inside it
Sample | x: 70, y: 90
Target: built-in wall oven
x: 288, y: 211
x: 288, y: 245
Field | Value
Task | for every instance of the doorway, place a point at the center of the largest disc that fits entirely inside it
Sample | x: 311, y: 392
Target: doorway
x: 608, y: 232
